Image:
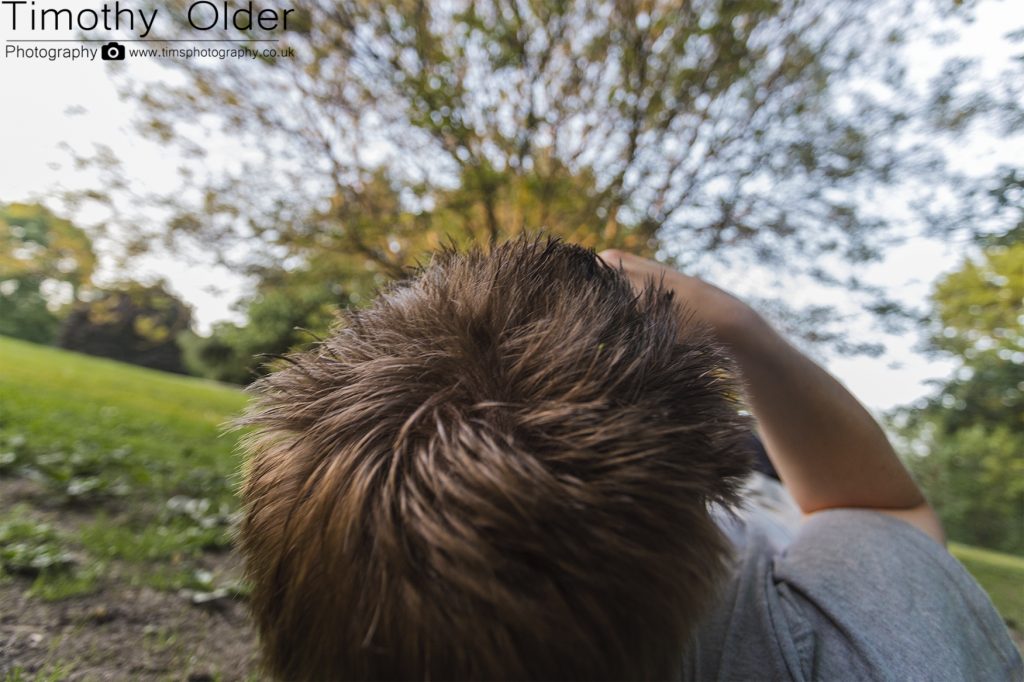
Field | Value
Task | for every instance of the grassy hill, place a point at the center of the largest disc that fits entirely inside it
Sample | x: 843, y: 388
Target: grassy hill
x: 117, y: 500
x: 1002, y: 576
x: 101, y: 439
x: 117, y: 497
x: 163, y: 424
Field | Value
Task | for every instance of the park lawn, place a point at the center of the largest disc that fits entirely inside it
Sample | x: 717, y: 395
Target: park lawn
x: 117, y: 463
x: 53, y: 401
x: 1002, y: 576
x: 117, y: 501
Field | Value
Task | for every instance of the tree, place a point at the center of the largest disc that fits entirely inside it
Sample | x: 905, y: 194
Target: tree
x: 760, y: 129
x: 974, y: 477
x: 130, y: 323
x: 42, y: 257
x: 289, y: 310
x: 965, y: 442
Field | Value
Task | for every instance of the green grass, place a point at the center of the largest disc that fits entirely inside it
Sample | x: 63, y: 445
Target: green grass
x: 81, y: 418
x: 50, y: 673
x: 138, y: 458
x: 1002, y: 576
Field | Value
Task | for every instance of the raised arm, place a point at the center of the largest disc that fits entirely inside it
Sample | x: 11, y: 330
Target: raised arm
x: 828, y: 450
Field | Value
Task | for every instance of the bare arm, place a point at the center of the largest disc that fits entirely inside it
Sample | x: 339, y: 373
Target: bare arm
x: 827, y: 449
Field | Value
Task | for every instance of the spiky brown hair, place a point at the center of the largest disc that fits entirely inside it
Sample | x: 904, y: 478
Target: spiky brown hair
x: 501, y: 469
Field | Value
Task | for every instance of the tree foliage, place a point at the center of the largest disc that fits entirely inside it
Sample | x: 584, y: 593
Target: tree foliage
x: 39, y: 254
x: 968, y: 438
x: 282, y: 316
x: 131, y: 323
x: 974, y: 477
x: 757, y: 129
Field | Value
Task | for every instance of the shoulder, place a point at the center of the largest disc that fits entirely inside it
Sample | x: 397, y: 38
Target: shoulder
x: 856, y: 594
x: 875, y: 592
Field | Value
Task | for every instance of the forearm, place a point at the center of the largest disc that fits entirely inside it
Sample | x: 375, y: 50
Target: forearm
x: 827, y: 449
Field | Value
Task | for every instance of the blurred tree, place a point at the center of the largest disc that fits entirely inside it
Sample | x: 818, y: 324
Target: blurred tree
x: 1008, y: 194
x: 974, y: 477
x: 769, y: 132
x: 44, y: 261
x: 761, y: 128
x: 967, y: 440
x: 131, y: 323
x: 289, y: 310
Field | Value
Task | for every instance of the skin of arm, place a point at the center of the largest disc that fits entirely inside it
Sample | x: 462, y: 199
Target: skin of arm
x: 829, y: 452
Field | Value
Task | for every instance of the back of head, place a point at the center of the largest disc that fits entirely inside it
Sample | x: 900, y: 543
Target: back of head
x: 501, y: 469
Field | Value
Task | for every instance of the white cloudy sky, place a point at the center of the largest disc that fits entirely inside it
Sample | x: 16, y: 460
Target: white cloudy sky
x: 45, y: 103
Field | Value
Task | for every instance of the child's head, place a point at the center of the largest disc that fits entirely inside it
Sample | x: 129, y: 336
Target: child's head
x: 500, y: 469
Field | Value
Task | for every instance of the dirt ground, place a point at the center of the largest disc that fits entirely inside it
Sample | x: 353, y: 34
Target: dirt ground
x: 138, y: 634
x: 124, y: 633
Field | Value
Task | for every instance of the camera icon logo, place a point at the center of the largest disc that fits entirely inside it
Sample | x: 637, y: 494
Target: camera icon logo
x: 112, y: 52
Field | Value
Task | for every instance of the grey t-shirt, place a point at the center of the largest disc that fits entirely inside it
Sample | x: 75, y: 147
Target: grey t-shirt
x: 855, y: 595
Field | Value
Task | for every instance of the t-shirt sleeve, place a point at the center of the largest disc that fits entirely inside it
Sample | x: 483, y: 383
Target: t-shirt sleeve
x: 865, y: 595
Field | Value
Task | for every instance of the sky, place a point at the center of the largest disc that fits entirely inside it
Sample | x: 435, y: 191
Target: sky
x: 46, y: 105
